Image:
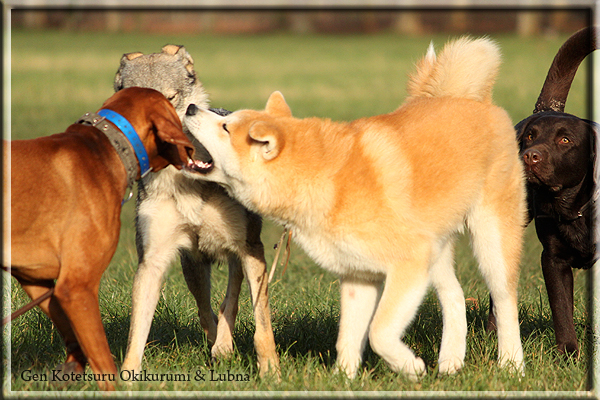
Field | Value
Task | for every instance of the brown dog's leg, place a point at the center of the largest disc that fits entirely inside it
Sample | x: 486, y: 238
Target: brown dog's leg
x: 78, y: 297
x: 75, y: 357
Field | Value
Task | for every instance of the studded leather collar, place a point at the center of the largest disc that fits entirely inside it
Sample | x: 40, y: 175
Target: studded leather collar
x: 118, y: 141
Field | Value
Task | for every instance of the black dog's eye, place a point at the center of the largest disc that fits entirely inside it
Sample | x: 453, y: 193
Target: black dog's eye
x: 225, y: 128
x: 530, y: 137
x: 565, y: 140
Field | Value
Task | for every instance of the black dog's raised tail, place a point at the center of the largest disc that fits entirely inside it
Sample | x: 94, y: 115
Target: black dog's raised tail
x: 564, y: 66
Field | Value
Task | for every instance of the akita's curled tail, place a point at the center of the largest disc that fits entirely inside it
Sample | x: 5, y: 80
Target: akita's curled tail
x: 465, y: 68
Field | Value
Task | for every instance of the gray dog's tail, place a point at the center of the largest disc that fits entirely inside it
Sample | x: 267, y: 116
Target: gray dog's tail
x: 562, y: 71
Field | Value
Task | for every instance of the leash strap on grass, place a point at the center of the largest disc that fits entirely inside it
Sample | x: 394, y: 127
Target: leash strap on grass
x: 278, y: 246
x: 288, y: 251
x: 27, y: 307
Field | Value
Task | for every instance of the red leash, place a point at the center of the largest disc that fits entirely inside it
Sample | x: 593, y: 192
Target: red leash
x: 27, y: 307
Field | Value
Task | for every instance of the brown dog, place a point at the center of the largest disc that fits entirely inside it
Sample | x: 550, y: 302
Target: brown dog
x: 66, y: 196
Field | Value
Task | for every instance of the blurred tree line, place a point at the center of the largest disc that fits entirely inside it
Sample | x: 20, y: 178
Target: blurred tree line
x: 525, y: 22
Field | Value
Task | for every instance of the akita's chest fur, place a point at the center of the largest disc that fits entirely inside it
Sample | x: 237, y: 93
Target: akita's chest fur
x: 342, y: 256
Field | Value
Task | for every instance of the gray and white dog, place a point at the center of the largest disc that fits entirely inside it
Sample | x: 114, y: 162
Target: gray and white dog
x: 196, y: 219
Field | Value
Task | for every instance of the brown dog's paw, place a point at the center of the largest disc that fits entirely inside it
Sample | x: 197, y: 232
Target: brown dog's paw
x: 69, y: 367
x: 62, y: 374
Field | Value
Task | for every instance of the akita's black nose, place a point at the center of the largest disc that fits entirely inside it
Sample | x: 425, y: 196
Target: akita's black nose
x: 191, y: 110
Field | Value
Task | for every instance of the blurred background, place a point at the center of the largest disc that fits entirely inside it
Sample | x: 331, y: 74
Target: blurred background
x: 524, y: 22
x: 329, y: 62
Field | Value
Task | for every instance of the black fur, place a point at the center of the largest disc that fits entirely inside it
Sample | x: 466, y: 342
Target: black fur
x: 560, y: 187
x: 558, y: 153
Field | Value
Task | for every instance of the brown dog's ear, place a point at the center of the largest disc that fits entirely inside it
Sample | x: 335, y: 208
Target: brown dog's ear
x: 173, y: 145
x: 277, y: 107
x: 269, y: 138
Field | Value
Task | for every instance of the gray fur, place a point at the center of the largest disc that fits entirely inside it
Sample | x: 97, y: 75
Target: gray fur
x: 171, y: 72
x: 197, y: 220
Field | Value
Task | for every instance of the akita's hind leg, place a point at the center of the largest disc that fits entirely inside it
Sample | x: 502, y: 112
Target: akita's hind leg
x: 497, y: 241
x: 450, y: 294
x: 405, y: 287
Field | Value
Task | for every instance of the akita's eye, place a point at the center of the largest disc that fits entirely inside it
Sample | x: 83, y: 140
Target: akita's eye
x: 225, y: 128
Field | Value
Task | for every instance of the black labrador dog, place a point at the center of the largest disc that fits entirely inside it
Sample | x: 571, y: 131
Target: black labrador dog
x: 558, y: 153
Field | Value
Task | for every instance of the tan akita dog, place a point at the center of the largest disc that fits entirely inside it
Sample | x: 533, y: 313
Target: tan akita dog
x: 379, y: 200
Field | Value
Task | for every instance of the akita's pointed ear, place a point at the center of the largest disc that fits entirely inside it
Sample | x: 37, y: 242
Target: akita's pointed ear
x: 277, y: 107
x: 269, y: 138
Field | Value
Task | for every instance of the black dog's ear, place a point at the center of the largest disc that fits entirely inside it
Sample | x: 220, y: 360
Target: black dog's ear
x: 595, y: 131
x: 522, y: 126
x: 520, y: 129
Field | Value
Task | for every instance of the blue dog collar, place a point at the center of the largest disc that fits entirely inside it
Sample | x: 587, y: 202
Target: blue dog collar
x: 131, y: 135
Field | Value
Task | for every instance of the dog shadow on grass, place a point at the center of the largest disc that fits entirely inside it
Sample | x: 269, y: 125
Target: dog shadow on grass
x: 300, y: 335
x: 311, y: 334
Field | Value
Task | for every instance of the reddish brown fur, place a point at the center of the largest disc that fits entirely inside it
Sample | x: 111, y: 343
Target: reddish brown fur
x: 66, y: 192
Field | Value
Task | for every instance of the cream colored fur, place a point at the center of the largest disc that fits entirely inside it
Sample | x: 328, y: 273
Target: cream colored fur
x: 379, y: 201
x: 198, y: 221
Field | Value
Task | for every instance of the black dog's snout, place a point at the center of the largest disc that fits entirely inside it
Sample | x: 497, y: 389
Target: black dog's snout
x: 191, y: 110
x: 532, y: 156
x: 220, y: 111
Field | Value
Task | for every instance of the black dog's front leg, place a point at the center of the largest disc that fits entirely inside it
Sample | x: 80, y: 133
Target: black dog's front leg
x: 559, y: 285
x: 491, y: 324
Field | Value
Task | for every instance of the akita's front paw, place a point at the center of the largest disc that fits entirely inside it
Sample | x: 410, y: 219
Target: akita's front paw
x: 512, y: 360
x: 450, y: 366
x: 415, y: 369
x: 349, y: 370
x: 516, y: 367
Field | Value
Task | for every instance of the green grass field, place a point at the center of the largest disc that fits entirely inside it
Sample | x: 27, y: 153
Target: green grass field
x: 56, y: 77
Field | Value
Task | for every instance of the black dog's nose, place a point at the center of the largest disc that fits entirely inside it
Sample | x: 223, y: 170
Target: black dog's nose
x: 191, y: 110
x: 532, y: 156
